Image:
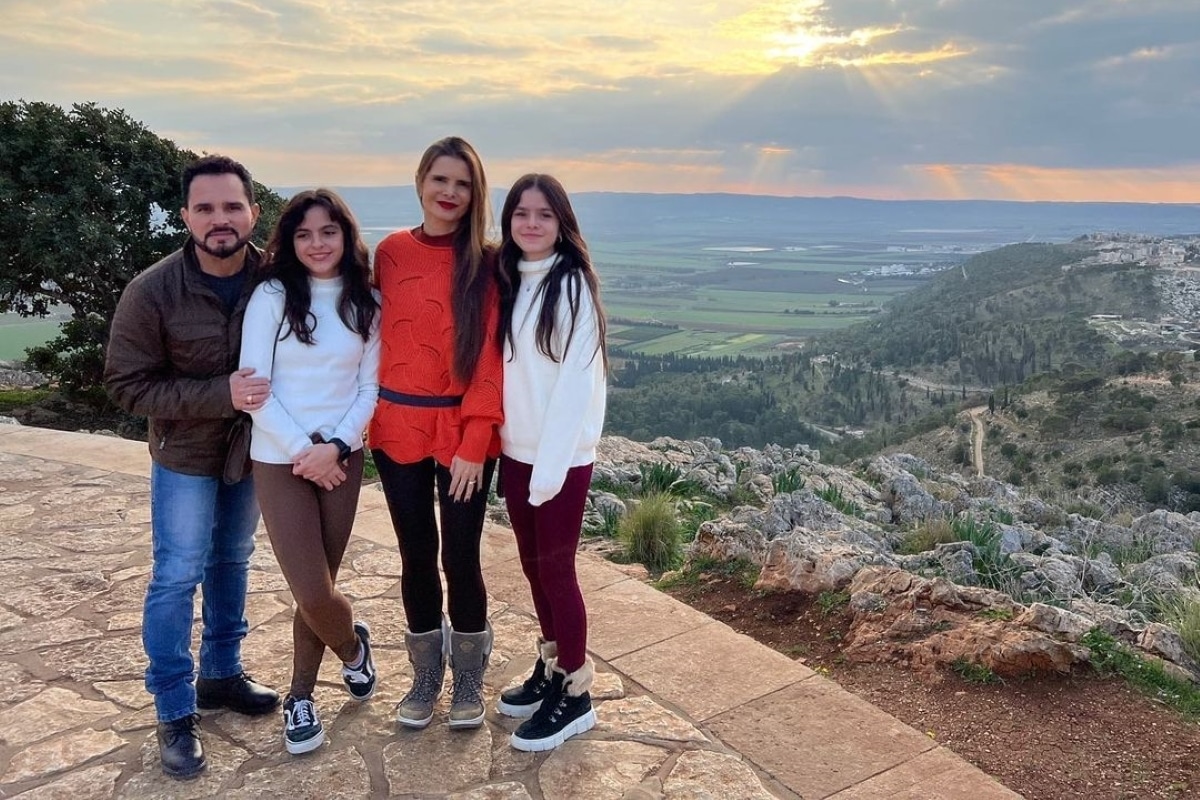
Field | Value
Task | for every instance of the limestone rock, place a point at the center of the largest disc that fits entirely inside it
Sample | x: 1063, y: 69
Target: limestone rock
x: 93, y: 783
x: 151, y: 784
x: 702, y: 775
x: 1055, y: 621
x: 931, y: 624
x: 815, y: 563
x: 56, y: 755
x: 1167, y: 643
x: 45, y: 634
x: 496, y: 791
x: 51, y: 712
x: 326, y: 774
x: 438, y: 759
x: 54, y: 596
x: 594, y: 770
x: 642, y: 718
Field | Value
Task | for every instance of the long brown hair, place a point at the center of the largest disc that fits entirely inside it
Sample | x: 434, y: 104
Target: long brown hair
x: 356, y: 306
x: 574, y: 264
x: 473, y: 275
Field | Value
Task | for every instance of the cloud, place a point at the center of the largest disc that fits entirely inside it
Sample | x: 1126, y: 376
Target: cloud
x: 884, y: 97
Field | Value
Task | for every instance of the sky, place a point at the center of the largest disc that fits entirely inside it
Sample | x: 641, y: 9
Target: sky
x: 895, y: 99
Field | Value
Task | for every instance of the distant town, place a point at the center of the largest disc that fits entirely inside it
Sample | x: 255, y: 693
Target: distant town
x: 1176, y: 261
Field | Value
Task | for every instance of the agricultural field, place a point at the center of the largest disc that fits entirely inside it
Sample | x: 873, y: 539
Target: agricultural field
x: 18, y: 333
x: 715, y: 300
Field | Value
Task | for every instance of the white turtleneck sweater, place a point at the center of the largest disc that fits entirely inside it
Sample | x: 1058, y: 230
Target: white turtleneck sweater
x: 329, y: 387
x: 553, y: 412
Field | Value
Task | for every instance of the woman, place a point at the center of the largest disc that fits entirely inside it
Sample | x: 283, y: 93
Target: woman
x: 555, y: 362
x: 436, y: 425
x: 312, y: 327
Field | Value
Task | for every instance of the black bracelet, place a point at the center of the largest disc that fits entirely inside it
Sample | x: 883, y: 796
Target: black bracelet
x: 343, y: 448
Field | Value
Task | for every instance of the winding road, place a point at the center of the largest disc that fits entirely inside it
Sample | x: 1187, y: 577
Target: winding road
x: 977, y: 437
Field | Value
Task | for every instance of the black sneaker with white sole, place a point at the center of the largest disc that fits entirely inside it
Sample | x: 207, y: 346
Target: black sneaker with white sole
x: 560, y: 717
x: 360, y: 680
x: 302, y: 729
x: 521, y: 701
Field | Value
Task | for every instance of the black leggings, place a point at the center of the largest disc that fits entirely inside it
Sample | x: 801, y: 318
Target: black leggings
x: 409, y: 489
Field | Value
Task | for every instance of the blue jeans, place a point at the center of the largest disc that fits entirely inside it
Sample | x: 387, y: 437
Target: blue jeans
x: 203, y: 533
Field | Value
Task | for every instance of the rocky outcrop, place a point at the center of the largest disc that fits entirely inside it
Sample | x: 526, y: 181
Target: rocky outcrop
x: 892, y: 517
x: 932, y: 624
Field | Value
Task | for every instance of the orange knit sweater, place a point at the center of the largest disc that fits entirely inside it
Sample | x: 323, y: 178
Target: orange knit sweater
x: 413, y: 272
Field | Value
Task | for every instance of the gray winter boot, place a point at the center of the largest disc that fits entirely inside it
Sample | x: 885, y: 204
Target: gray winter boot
x: 468, y: 659
x: 427, y: 654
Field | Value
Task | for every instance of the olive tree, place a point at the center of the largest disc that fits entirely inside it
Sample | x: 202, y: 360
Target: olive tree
x: 89, y: 197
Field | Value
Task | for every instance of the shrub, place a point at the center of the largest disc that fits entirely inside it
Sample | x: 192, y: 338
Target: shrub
x: 1085, y: 509
x: 994, y: 567
x: 659, y: 479
x: 972, y: 672
x: 829, y: 602
x: 651, y: 533
x: 610, y: 523
x: 622, y: 490
x: 927, y: 536
x: 788, y: 481
x: 692, y: 514
x: 833, y: 495
x: 742, y: 570
x: 1110, y: 657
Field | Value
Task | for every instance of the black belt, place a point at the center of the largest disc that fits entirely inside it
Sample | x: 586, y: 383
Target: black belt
x: 422, y: 400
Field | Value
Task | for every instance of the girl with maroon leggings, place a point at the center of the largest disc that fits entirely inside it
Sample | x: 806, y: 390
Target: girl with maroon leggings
x: 555, y: 361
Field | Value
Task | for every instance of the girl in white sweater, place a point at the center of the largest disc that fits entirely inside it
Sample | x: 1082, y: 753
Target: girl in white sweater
x: 555, y: 364
x: 312, y: 327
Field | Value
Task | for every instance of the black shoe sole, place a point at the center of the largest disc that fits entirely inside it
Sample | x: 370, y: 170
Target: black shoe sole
x: 209, y: 705
x: 180, y: 775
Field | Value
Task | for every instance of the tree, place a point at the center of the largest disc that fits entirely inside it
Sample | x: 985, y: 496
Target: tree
x: 89, y: 197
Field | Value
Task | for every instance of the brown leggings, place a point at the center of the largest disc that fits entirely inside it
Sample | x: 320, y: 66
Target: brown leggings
x: 303, y: 520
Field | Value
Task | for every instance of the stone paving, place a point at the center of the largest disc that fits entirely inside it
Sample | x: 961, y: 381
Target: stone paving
x: 687, y: 707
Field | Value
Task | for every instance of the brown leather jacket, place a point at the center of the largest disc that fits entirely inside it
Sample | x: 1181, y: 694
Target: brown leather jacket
x: 170, y: 351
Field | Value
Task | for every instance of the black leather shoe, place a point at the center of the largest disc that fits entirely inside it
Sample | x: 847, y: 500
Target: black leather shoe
x: 239, y: 693
x: 180, y: 749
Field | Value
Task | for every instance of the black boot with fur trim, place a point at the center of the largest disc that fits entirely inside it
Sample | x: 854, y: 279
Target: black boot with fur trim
x: 565, y: 712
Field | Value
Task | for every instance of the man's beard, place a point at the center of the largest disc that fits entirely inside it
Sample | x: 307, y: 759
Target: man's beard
x: 221, y: 251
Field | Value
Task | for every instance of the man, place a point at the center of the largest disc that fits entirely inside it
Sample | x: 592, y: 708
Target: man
x: 172, y: 357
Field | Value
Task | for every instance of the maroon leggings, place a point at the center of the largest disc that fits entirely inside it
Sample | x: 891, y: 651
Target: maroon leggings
x: 309, y: 529
x: 547, y: 538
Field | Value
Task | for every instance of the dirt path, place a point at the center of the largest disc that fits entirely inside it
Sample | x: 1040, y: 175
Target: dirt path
x: 977, y: 437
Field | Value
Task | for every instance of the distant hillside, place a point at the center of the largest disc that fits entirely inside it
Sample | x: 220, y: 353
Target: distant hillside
x: 736, y: 218
x: 1099, y: 445
x: 1004, y: 316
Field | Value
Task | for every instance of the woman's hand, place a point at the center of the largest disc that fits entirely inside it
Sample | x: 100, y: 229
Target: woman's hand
x: 465, y: 477
x: 319, y: 463
x: 246, y: 392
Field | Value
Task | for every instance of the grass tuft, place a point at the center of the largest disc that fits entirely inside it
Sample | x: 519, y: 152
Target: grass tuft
x: 972, y: 672
x: 833, y: 495
x: 1183, y: 614
x: 651, y: 533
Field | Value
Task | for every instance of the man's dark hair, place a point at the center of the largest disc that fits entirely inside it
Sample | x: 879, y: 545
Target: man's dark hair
x: 217, y: 165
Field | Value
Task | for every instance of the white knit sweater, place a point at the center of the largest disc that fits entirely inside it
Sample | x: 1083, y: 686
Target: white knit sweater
x: 553, y: 412
x: 329, y: 387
